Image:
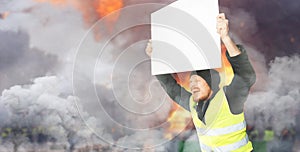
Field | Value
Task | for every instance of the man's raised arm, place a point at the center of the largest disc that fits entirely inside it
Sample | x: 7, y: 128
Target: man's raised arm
x: 172, y: 88
x: 236, y: 54
x: 244, y: 75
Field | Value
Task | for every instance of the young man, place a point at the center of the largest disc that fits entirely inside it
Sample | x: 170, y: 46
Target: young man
x: 217, y: 112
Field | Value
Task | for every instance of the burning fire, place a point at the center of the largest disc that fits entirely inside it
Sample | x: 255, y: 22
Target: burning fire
x: 106, y: 7
x: 225, y: 71
x: 180, y: 119
x: 93, y: 10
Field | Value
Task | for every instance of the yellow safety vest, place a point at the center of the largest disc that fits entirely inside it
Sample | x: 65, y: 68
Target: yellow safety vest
x: 222, y: 131
x: 269, y: 135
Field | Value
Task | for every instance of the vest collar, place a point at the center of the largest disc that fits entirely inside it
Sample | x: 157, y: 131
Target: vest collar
x: 202, y: 107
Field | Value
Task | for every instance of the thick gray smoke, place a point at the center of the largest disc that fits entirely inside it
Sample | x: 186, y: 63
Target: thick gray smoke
x: 278, y: 106
x: 44, y: 107
x: 19, y: 63
x: 129, y: 97
x: 243, y: 24
x: 274, y: 101
x: 131, y: 105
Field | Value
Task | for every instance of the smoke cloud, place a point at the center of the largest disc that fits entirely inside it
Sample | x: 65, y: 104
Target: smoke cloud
x: 19, y: 63
x: 54, y: 30
x: 278, y: 106
x: 44, y: 105
x: 57, y: 29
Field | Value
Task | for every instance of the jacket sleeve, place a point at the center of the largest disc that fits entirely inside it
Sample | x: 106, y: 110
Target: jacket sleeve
x: 244, y: 77
x: 174, y: 90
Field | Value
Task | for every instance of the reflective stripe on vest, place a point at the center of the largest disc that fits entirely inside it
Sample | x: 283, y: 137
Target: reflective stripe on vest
x: 225, y: 148
x: 222, y: 131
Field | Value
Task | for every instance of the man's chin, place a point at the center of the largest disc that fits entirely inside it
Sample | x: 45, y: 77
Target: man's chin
x: 197, y: 99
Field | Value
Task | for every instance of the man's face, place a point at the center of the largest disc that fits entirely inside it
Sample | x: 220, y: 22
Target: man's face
x: 199, y: 88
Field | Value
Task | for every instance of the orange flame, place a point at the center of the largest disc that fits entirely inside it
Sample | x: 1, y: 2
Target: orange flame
x: 225, y: 71
x: 179, y: 120
x: 106, y: 7
x: 92, y: 10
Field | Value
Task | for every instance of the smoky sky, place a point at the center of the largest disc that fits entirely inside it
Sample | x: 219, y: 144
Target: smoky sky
x: 277, y: 21
x: 273, y: 31
x: 277, y: 24
x: 19, y: 63
x: 269, y: 27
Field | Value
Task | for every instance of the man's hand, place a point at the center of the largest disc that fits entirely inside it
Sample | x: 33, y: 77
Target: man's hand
x: 149, y: 48
x: 222, y: 26
x: 223, y: 30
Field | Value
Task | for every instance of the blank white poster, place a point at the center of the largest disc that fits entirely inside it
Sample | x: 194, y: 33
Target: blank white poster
x: 184, y: 37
